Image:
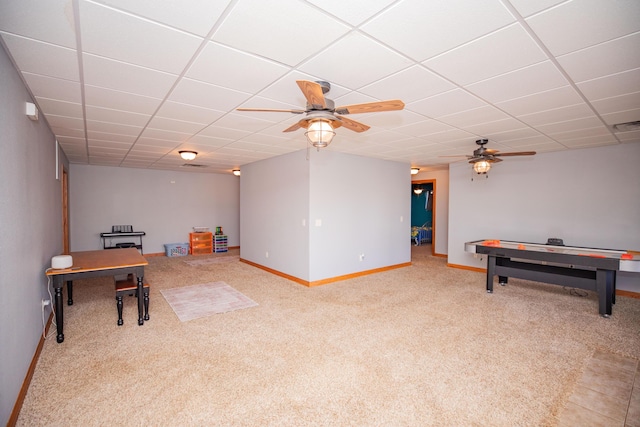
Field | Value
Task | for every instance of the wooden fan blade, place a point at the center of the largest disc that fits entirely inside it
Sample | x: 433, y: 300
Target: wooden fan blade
x: 313, y: 92
x: 293, y: 127
x: 352, y: 124
x: 486, y: 159
x: 371, y: 107
x: 271, y: 110
x: 516, y: 153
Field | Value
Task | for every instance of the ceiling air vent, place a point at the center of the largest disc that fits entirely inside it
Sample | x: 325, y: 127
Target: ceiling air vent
x: 193, y: 165
x: 627, y: 127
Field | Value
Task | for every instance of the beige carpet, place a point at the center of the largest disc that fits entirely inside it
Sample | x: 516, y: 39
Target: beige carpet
x: 212, y: 259
x: 194, y: 302
x: 423, y: 345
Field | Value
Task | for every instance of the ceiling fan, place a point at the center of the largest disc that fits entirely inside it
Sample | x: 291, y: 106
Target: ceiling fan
x: 322, y: 117
x: 483, y: 157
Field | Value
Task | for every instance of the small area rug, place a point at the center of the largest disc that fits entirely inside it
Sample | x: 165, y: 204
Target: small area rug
x: 213, y: 260
x: 193, y: 302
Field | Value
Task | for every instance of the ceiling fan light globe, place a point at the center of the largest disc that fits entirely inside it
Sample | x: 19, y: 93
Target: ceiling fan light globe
x: 320, y: 133
x: 481, y: 167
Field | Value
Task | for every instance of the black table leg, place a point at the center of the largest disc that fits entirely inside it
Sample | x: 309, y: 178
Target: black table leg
x: 491, y: 268
x: 604, y: 285
x: 69, y: 292
x: 59, y: 314
x: 140, y: 301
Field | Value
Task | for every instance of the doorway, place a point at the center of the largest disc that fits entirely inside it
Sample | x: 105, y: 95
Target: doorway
x: 423, y: 208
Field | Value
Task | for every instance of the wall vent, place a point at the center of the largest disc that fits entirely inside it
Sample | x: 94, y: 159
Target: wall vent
x: 627, y: 127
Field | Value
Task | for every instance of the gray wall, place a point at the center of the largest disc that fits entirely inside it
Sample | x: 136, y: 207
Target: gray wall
x: 315, y: 213
x: 166, y: 205
x: 588, y: 197
x: 30, y: 231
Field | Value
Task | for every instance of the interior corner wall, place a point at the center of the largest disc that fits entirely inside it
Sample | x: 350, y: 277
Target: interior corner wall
x: 30, y: 230
x: 166, y: 205
x: 360, y: 208
x: 441, y: 214
x: 274, y: 212
x: 588, y: 197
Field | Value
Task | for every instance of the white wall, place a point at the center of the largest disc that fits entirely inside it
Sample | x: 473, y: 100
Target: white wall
x: 163, y: 204
x: 30, y: 231
x: 441, y: 214
x: 588, y: 197
x: 357, y: 202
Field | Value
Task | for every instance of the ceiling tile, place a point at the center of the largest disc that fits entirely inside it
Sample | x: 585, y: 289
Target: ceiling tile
x: 611, y: 85
x: 49, y: 21
x: 257, y: 27
x: 53, y: 88
x: 422, y: 29
x: 607, y: 58
x: 117, y: 128
x: 116, y: 100
x: 124, y: 37
x: 556, y: 115
x: 569, y: 125
x: 353, y: 12
x: 505, y: 50
x: 446, y: 103
x: 43, y: 58
x: 197, y: 18
x: 164, y: 123
x: 575, y: 25
x: 116, y: 116
x: 125, y: 77
x: 526, y: 81
x: 188, y: 113
x: 211, y: 66
x: 528, y: 7
x: 408, y: 85
x: 474, y: 116
x: 541, y: 101
x: 204, y: 95
x: 374, y: 62
x: 60, y: 108
x: 620, y: 103
x: 622, y: 116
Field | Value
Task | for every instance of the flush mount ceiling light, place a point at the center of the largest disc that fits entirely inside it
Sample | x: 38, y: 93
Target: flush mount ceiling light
x: 236, y: 172
x: 417, y: 190
x: 414, y: 171
x: 188, y: 155
x: 320, y: 133
x: 481, y: 167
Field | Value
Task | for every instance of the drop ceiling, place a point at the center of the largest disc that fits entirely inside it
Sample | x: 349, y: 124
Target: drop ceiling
x: 130, y: 83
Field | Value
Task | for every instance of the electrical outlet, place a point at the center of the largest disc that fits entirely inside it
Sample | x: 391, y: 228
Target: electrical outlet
x: 45, y: 302
x: 361, y: 257
x: 266, y: 254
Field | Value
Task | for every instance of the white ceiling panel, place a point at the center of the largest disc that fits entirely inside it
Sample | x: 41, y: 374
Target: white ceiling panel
x: 43, y: 58
x: 505, y: 50
x: 204, y: 95
x: 526, y: 81
x: 155, y: 76
x: 116, y: 100
x: 113, y: 34
x: 611, y: 85
x: 607, y: 58
x: 578, y: 24
x: 409, y: 85
x: 446, y: 103
x: 541, y: 101
x: 198, y: 18
x: 125, y: 77
x: 257, y: 27
x: 422, y: 29
x: 374, y: 62
x: 49, y: 21
x: 53, y: 88
x: 211, y: 66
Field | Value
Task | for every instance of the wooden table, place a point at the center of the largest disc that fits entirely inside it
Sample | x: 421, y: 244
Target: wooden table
x: 87, y: 264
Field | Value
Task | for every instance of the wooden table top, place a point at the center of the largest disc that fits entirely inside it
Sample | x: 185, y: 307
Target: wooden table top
x: 106, y: 259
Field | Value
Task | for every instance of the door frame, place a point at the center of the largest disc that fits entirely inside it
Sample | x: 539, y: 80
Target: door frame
x: 433, y: 210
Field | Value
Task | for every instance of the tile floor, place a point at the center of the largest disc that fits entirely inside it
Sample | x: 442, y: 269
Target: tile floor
x: 608, y: 394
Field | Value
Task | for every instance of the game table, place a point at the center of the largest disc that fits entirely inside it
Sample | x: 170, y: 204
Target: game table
x: 87, y: 264
x: 577, y: 267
